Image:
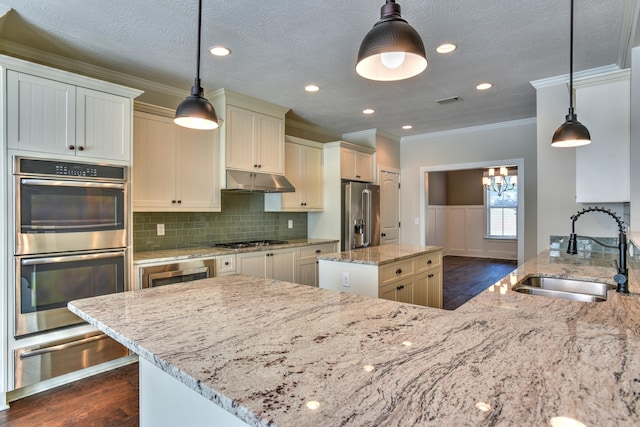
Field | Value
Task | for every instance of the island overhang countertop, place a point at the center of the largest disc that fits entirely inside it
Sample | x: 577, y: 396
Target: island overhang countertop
x: 380, y: 255
x: 263, y: 349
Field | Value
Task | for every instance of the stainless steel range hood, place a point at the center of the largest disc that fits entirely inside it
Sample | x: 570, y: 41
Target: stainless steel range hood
x: 258, y: 182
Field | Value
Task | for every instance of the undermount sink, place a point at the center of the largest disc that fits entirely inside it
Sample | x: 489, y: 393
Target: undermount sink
x: 575, y: 290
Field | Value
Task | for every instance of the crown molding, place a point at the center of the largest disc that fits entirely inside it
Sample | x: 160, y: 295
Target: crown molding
x: 79, y: 67
x: 563, y: 79
x: 471, y: 129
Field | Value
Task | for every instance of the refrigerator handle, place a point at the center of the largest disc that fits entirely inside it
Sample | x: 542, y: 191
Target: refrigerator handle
x: 366, y: 214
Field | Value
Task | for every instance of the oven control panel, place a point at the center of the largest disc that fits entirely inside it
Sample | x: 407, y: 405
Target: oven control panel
x: 26, y: 166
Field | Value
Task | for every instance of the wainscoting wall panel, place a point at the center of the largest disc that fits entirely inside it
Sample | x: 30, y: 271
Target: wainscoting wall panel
x: 460, y: 230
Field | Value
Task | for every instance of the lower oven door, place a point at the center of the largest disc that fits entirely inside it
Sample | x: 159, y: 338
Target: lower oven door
x: 41, y: 362
x: 45, y: 284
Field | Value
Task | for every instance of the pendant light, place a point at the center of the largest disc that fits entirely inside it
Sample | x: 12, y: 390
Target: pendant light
x: 392, y: 49
x: 196, y: 112
x: 571, y: 133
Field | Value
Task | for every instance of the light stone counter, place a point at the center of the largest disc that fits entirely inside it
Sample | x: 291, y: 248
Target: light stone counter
x: 169, y: 255
x: 262, y: 349
x: 379, y: 255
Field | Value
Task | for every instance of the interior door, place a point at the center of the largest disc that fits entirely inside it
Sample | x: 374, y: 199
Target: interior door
x: 389, y: 207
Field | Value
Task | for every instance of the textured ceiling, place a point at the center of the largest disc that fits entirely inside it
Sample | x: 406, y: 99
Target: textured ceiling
x: 280, y: 46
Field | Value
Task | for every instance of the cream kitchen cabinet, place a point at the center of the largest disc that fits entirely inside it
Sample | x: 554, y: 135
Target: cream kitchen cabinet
x: 356, y: 165
x: 276, y: 264
x: 603, y: 104
x: 303, y: 168
x: 175, y: 168
x: 251, y: 134
x: 57, y: 117
x: 255, y: 142
x: 378, y: 272
x: 307, y: 262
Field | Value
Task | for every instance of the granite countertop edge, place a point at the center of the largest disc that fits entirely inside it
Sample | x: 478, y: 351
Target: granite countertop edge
x: 380, y: 255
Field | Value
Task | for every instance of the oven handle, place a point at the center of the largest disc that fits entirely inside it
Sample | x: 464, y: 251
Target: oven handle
x: 70, y: 258
x: 59, y: 347
x: 60, y: 183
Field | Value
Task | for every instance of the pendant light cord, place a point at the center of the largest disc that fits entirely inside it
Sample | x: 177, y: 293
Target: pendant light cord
x: 199, y: 37
x: 571, y: 62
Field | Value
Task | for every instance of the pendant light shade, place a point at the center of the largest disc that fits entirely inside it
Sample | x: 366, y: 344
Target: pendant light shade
x: 196, y: 112
x: 571, y: 133
x: 392, y: 49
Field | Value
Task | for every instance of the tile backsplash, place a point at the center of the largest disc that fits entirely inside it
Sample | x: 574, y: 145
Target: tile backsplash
x: 242, y: 218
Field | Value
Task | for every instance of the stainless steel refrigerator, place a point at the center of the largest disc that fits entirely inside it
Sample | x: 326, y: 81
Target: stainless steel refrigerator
x: 360, y: 215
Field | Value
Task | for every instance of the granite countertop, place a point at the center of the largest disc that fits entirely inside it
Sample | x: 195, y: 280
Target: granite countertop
x: 168, y: 255
x: 370, y: 361
x: 379, y: 255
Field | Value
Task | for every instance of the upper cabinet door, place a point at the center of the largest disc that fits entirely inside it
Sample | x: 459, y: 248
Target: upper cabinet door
x: 103, y: 125
x: 197, y: 174
x: 269, y: 144
x: 40, y: 114
x: 239, y: 125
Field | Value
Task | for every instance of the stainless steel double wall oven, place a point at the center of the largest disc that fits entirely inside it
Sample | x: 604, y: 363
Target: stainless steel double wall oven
x: 70, y: 243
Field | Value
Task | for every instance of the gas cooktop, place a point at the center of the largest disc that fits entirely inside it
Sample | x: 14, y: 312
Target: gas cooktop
x: 250, y: 244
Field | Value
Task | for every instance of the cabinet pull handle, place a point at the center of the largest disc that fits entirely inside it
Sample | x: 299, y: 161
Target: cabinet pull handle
x: 81, y: 148
x: 399, y: 271
x: 429, y: 262
x: 72, y: 147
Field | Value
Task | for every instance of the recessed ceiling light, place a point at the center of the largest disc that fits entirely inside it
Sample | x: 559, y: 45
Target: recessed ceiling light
x: 407, y: 127
x: 446, y: 48
x: 312, y: 88
x: 220, y: 51
x: 368, y: 111
x: 484, y: 86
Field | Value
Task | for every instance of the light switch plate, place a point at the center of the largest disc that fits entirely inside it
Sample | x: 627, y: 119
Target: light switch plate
x: 160, y: 229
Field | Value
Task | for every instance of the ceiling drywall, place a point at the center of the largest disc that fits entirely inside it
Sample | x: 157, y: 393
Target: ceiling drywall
x: 280, y: 46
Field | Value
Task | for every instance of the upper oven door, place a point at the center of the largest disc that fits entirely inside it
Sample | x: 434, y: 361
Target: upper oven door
x: 57, y: 215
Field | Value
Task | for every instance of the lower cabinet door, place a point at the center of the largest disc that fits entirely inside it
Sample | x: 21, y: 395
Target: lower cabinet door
x: 434, y: 285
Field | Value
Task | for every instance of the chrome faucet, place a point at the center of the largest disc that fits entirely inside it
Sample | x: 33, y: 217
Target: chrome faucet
x: 621, y: 278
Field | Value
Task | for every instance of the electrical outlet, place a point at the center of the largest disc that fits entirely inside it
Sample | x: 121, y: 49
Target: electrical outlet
x: 160, y: 229
x: 346, y: 279
x: 290, y: 223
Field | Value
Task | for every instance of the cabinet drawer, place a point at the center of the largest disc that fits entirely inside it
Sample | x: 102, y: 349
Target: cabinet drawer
x: 311, y: 252
x: 395, y: 271
x: 225, y: 265
x: 428, y: 261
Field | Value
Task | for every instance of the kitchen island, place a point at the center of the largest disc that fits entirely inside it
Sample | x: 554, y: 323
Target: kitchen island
x: 276, y: 353
x: 403, y: 273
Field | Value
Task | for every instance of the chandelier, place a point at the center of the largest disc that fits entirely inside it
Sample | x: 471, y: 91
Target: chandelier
x: 499, y: 183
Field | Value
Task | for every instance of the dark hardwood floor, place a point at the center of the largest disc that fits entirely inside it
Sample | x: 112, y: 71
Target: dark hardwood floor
x: 111, y: 398
x: 465, y: 277
x: 107, y: 399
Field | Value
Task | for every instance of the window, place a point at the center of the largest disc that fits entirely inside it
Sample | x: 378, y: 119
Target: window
x: 502, y: 214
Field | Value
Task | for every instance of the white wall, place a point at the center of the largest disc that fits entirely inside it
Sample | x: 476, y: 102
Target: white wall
x: 635, y: 139
x: 460, y: 230
x: 502, y: 141
x: 557, y: 175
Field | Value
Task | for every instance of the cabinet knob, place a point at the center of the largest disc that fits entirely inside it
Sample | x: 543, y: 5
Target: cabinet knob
x: 72, y: 147
x: 255, y: 165
x: 179, y: 201
x: 429, y: 262
x: 173, y: 201
x: 430, y: 276
x: 226, y: 263
x: 318, y: 251
x: 357, y: 176
x: 399, y: 288
x: 383, y: 234
x: 81, y: 148
x: 399, y: 271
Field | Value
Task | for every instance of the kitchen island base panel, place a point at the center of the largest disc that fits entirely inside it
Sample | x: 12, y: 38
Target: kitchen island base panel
x: 165, y: 401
